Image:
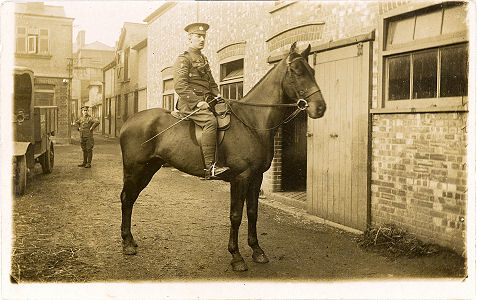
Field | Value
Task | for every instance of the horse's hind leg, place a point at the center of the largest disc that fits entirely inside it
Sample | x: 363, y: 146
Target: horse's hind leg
x: 136, y: 178
x: 252, y: 213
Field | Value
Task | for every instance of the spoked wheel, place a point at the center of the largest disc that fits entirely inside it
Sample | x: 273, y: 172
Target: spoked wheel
x: 19, y: 175
x: 48, y: 160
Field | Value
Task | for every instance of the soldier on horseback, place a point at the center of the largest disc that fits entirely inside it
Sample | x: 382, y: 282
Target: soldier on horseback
x: 194, y: 84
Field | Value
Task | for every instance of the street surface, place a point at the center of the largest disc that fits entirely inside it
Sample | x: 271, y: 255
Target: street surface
x: 67, y: 229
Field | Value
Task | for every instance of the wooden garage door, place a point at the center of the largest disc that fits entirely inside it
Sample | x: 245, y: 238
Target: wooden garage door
x: 337, y: 146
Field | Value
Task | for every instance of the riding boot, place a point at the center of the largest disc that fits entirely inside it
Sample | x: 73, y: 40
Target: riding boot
x: 90, y: 157
x: 85, y: 159
x: 211, y: 171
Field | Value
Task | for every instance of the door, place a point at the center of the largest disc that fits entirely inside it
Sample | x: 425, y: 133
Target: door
x: 338, y: 181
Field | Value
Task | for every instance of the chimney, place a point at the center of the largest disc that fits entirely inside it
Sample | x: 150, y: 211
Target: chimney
x: 80, y: 39
x: 35, y: 6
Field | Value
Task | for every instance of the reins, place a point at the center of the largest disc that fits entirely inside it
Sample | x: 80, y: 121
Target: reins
x: 286, y: 120
x: 300, y: 105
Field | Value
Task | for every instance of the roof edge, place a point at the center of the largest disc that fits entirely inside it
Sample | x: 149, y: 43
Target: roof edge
x: 160, y: 11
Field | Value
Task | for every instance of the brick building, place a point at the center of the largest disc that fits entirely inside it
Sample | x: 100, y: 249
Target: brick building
x: 43, y: 40
x: 87, y: 70
x: 391, y: 147
x: 124, y: 78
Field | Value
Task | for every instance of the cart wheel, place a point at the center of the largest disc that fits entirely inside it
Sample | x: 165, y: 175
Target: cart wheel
x: 19, y: 175
x: 48, y: 160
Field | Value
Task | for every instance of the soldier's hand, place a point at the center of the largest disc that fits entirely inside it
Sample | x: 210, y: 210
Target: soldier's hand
x: 202, y: 105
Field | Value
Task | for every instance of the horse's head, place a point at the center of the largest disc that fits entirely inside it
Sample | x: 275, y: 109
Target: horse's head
x: 300, y: 84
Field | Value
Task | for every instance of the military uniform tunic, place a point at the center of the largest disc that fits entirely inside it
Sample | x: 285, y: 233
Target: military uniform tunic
x: 86, y: 125
x: 193, y: 79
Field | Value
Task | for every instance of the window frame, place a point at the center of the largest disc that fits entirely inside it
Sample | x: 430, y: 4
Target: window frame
x: 231, y: 80
x: 24, y: 36
x: 35, y: 41
x: 42, y: 37
x: 167, y: 94
x: 33, y: 37
x: 386, y: 51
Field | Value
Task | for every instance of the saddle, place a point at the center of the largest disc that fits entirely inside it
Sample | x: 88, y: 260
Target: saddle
x: 222, y: 113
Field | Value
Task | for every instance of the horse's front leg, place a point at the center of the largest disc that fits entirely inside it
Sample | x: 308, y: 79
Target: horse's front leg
x: 252, y: 212
x: 238, y: 190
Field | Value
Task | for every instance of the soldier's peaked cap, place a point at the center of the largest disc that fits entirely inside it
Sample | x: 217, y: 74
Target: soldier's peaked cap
x: 85, y: 106
x: 198, y: 28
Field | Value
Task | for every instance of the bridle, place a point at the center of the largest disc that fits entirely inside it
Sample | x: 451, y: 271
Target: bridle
x: 301, y: 96
x: 301, y: 103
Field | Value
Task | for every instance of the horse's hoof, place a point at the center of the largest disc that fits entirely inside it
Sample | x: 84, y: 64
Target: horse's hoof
x: 130, y: 248
x: 239, y: 265
x: 260, y: 258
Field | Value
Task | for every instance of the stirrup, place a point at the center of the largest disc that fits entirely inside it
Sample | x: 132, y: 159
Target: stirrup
x: 213, y: 171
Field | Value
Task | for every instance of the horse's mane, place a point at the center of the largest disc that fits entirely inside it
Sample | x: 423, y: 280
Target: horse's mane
x: 262, y: 79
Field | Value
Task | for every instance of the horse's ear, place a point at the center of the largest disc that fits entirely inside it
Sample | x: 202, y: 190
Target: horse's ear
x: 306, y: 52
x: 293, y: 48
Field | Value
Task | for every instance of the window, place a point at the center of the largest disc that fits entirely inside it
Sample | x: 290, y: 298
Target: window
x: 126, y: 64
x: 168, y: 94
x: 118, y: 107
x: 231, y: 79
x: 21, y: 40
x: 32, y: 43
x: 107, y: 108
x: 32, y: 40
x: 425, y: 58
x: 125, y: 107
x: 44, y: 41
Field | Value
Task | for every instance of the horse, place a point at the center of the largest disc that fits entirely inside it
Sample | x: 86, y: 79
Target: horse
x: 247, y: 147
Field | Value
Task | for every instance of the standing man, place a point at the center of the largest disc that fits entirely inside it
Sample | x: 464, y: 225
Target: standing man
x: 86, y: 124
x: 193, y: 82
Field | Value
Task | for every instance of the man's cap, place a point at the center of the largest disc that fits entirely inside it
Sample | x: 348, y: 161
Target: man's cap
x: 197, y: 28
x: 85, y: 106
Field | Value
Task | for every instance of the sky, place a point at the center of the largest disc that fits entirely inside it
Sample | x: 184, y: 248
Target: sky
x: 103, y: 20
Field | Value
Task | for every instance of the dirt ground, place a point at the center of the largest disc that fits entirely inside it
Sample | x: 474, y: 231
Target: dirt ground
x: 66, y: 228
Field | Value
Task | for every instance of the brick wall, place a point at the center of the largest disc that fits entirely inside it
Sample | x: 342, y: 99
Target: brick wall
x: 418, y: 170
x: 272, y: 179
x: 419, y: 175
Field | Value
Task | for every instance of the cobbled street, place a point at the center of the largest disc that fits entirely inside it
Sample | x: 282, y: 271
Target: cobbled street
x: 67, y: 229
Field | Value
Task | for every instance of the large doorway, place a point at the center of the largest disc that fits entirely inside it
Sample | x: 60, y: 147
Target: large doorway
x: 294, y: 154
x: 338, y: 153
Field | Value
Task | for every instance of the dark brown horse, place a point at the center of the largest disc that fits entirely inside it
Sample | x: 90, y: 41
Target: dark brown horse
x: 247, y: 148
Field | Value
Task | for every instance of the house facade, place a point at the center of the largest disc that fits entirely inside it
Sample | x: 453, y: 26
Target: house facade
x: 126, y: 92
x: 43, y: 43
x: 87, y: 67
x: 391, y: 148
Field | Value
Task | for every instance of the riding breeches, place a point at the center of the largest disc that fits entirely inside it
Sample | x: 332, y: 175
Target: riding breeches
x: 87, y: 143
x: 205, y: 119
x: 208, y: 122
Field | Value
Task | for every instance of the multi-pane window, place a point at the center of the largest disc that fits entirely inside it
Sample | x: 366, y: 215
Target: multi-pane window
x: 425, y: 57
x: 168, y: 94
x: 231, y: 79
x: 32, y: 40
x: 232, y: 90
x: 435, y: 73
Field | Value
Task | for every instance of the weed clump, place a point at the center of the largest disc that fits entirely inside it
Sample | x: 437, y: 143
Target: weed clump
x: 395, y: 242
